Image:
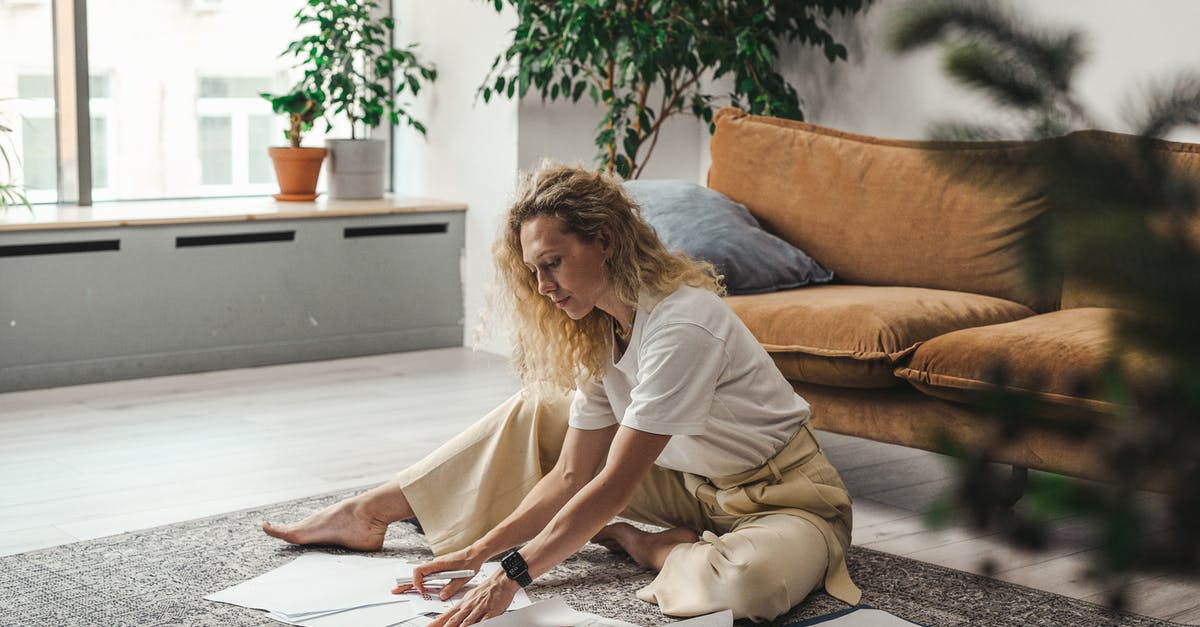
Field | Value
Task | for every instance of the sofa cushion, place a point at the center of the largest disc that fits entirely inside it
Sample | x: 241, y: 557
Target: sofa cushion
x: 853, y: 335
x: 707, y: 225
x: 1056, y: 356
x: 882, y: 212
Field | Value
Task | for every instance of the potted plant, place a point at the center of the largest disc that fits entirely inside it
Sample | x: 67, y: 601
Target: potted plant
x: 10, y: 191
x: 297, y: 168
x: 350, y: 60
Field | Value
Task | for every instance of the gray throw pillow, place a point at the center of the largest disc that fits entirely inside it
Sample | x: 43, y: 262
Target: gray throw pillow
x: 707, y: 225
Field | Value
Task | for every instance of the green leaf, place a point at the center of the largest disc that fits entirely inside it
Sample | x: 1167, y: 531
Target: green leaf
x: 348, y: 63
x: 616, y: 50
x: 624, y: 166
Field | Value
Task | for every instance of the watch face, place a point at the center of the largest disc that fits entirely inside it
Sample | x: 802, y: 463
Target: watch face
x: 513, y: 564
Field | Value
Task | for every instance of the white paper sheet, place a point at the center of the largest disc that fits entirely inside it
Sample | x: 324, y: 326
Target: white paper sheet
x: 329, y: 588
x: 298, y: 618
x: 552, y: 613
x: 316, y: 582
x: 380, y: 615
x: 556, y: 613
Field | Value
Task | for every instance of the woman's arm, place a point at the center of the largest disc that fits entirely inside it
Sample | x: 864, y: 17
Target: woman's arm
x: 581, y: 454
x: 632, y: 454
x: 629, y: 459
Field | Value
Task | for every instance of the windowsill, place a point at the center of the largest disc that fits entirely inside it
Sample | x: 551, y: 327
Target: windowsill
x: 250, y: 208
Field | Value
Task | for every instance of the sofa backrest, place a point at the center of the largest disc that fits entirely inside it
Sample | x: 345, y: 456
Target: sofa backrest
x: 881, y: 212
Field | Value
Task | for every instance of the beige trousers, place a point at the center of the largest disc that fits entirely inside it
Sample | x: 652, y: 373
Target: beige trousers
x: 769, y: 536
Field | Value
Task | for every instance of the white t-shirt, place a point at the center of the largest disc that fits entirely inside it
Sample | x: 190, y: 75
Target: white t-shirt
x: 694, y: 371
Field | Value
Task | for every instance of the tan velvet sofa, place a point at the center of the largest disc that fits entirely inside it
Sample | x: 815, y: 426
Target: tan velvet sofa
x: 928, y: 299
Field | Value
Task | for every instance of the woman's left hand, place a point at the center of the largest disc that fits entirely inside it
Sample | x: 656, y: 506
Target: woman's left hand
x: 488, y: 599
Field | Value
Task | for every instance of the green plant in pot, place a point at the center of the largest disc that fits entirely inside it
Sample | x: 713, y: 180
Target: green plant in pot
x: 297, y: 168
x: 350, y: 60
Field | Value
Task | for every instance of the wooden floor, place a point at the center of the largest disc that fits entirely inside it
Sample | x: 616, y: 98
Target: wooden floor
x: 89, y: 461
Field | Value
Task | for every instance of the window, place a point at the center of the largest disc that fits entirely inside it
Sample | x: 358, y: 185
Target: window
x: 27, y: 96
x: 175, y: 110
x: 37, y: 137
x: 186, y: 113
x: 235, y: 128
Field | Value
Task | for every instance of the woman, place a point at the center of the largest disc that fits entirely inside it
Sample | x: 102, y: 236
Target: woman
x: 679, y: 419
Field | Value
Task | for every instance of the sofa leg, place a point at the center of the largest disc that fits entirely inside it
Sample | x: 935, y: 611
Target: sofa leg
x: 1017, y: 482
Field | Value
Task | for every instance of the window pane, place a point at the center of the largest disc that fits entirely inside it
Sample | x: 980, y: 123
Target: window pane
x: 216, y: 142
x: 262, y: 130
x: 98, y: 86
x: 38, y: 155
x: 233, y: 86
x: 35, y: 86
x: 183, y: 114
x: 27, y: 97
x: 99, y: 147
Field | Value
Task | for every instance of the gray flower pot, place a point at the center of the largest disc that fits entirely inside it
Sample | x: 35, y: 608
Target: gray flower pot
x: 355, y: 168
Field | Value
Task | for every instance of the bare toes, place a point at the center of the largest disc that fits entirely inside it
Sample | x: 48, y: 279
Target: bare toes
x: 286, y: 533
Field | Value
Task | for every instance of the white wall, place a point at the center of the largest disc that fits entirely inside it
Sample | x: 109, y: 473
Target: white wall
x: 471, y: 151
x: 474, y: 150
x: 566, y: 132
x: 880, y: 93
x: 877, y: 92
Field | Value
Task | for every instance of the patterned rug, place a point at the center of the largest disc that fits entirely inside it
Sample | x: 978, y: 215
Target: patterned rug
x: 160, y: 576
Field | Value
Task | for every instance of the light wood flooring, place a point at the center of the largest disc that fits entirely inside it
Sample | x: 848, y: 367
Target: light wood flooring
x: 88, y: 461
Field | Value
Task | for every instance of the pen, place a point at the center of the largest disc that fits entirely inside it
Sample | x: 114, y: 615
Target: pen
x: 445, y: 574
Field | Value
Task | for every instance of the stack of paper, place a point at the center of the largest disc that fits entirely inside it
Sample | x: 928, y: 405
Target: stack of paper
x: 322, y: 590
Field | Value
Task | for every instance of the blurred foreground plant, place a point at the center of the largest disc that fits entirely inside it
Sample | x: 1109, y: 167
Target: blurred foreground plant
x: 1121, y: 220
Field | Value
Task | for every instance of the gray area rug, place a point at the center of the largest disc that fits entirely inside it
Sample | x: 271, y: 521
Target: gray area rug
x: 160, y: 576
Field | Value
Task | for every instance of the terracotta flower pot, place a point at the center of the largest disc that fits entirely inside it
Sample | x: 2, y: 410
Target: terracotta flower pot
x: 297, y: 170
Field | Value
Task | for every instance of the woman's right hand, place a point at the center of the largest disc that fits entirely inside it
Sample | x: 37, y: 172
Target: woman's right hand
x: 461, y: 559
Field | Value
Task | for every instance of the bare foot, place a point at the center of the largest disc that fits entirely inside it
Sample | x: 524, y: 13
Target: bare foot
x: 649, y: 550
x: 347, y: 523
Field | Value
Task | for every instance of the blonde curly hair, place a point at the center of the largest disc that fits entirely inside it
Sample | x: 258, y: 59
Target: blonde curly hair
x: 549, y: 348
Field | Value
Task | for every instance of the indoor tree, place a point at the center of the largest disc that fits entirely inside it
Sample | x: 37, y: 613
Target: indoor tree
x: 648, y: 60
x: 350, y: 64
x: 1121, y: 220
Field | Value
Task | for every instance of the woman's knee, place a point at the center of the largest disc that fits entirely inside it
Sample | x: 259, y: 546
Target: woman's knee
x: 766, y: 589
x: 759, y: 571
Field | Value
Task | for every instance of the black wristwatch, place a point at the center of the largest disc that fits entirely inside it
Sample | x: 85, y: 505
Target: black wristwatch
x: 515, y: 567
